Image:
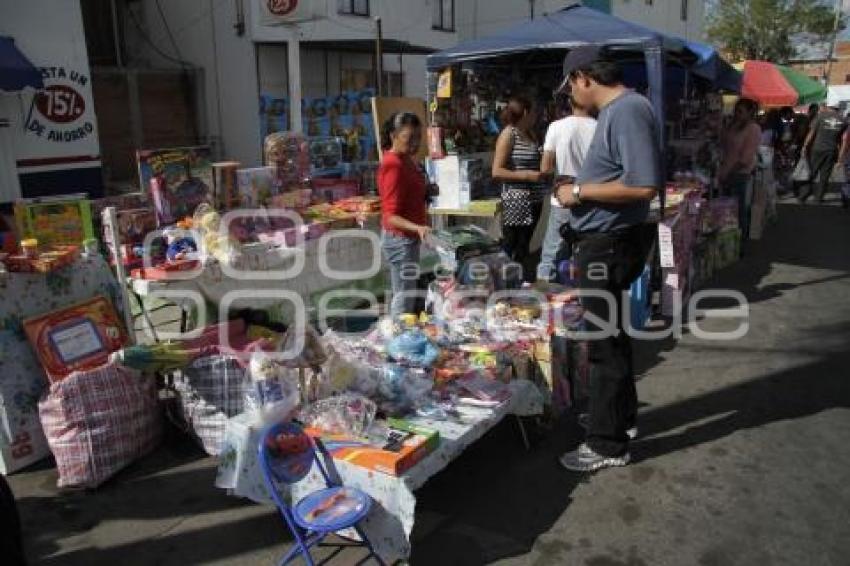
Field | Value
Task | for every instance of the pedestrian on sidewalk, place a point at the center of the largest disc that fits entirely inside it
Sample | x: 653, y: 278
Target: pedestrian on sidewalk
x: 825, y: 137
x: 564, y: 150
x: 741, y: 142
x: 609, y: 204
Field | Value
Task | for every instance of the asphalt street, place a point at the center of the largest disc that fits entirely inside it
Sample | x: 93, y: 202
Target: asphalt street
x: 742, y: 457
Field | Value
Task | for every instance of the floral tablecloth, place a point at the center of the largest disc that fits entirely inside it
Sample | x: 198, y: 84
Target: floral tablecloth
x: 22, y: 379
x: 390, y: 521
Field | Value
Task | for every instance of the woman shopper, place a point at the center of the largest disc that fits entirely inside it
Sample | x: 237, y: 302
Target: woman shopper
x: 516, y: 164
x: 403, y: 190
x: 740, y: 156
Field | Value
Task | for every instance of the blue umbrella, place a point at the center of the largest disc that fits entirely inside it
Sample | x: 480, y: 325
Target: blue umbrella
x: 16, y: 71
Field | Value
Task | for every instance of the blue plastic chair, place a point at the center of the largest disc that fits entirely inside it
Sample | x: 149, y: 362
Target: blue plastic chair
x: 287, y: 455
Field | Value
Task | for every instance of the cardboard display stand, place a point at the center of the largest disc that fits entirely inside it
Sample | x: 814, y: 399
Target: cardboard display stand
x: 383, y: 108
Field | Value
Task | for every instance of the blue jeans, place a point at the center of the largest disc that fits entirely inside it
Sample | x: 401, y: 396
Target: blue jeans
x: 402, y: 255
x: 552, y: 242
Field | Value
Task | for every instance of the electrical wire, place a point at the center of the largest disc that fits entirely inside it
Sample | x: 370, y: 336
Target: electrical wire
x: 168, y: 31
x: 150, y: 42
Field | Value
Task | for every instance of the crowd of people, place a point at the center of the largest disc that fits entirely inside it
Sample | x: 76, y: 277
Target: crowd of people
x: 599, y: 167
x: 800, y: 153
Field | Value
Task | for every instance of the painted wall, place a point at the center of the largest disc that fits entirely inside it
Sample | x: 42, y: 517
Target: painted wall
x: 205, y: 36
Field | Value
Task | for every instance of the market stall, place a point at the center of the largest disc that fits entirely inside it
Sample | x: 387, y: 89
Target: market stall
x: 468, y: 84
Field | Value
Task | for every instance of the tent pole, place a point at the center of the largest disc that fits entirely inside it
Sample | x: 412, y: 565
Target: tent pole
x: 655, y: 66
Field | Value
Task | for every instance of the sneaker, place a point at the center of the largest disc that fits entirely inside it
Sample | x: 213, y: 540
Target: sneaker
x: 584, y: 459
x: 584, y: 422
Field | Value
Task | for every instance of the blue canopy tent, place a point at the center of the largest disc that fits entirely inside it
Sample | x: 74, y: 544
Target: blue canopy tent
x: 577, y: 25
x: 16, y: 71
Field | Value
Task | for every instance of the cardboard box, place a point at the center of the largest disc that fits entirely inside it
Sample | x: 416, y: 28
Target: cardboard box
x: 177, y: 179
x: 49, y: 260
x: 55, y: 220
x: 360, y: 453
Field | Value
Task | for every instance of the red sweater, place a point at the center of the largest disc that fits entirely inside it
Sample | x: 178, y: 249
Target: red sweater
x: 402, y: 189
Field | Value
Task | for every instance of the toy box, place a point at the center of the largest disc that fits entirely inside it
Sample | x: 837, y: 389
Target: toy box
x: 225, y: 191
x: 76, y: 338
x: 172, y: 270
x: 255, y: 187
x: 63, y: 220
x: 51, y: 259
x: 333, y: 190
x: 178, y: 180
x: 415, y: 442
x: 325, y: 156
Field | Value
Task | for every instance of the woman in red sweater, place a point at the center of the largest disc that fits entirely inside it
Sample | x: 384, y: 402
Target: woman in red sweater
x: 402, y: 187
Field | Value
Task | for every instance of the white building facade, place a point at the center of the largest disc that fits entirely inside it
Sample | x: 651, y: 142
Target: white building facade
x: 319, y: 48
x: 683, y: 18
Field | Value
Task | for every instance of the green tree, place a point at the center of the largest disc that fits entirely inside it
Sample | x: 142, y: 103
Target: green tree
x: 764, y: 29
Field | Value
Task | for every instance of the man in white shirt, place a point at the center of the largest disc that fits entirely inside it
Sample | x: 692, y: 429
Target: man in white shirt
x: 564, y: 150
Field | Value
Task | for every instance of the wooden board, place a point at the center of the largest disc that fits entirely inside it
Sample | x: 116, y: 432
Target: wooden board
x: 384, y: 107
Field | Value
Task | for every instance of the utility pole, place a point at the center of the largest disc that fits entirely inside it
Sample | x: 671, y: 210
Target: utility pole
x: 828, y: 70
x: 531, y: 7
x: 379, y: 58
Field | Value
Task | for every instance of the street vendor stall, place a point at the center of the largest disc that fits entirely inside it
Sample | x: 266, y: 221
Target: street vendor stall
x: 470, y: 82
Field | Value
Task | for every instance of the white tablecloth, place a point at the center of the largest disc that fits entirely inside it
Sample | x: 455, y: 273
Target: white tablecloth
x: 276, y: 272
x: 22, y: 379
x: 390, y: 522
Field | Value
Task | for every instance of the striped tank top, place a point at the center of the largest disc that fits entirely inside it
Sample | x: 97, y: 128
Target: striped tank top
x: 521, y: 201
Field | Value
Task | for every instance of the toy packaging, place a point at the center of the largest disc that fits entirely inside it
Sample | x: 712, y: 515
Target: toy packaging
x: 43, y: 260
x: 255, y: 187
x: 405, y: 446
x: 76, y: 338
x: 63, y: 220
x: 224, y: 184
x: 178, y: 180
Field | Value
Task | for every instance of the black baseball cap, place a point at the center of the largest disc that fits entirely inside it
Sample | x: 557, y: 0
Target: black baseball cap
x: 580, y: 58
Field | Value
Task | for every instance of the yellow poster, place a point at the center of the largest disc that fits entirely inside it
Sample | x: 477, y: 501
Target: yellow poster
x: 444, y: 84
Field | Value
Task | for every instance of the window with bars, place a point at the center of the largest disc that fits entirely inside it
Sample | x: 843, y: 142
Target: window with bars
x: 353, y: 7
x: 444, y: 15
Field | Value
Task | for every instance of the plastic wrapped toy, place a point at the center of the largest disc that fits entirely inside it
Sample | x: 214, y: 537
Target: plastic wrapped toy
x: 414, y: 348
x: 349, y: 414
x: 289, y: 154
x: 273, y: 393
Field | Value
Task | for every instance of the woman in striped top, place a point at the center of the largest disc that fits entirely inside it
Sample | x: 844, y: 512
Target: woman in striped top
x: 516, y: 163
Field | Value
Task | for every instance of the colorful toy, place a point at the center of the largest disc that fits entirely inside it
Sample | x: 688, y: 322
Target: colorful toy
x: 80, y: 337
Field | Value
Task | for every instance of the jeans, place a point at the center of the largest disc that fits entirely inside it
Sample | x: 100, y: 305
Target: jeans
x: 740, y: 185
x: 552, y: 242
x: 402, y: 255
x: 820, y: 165
x: 610, y: 263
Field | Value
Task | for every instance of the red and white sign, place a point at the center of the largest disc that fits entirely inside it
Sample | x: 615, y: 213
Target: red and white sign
x: 282, y: 7
x: 281, y: 12
x: 60, y: 104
